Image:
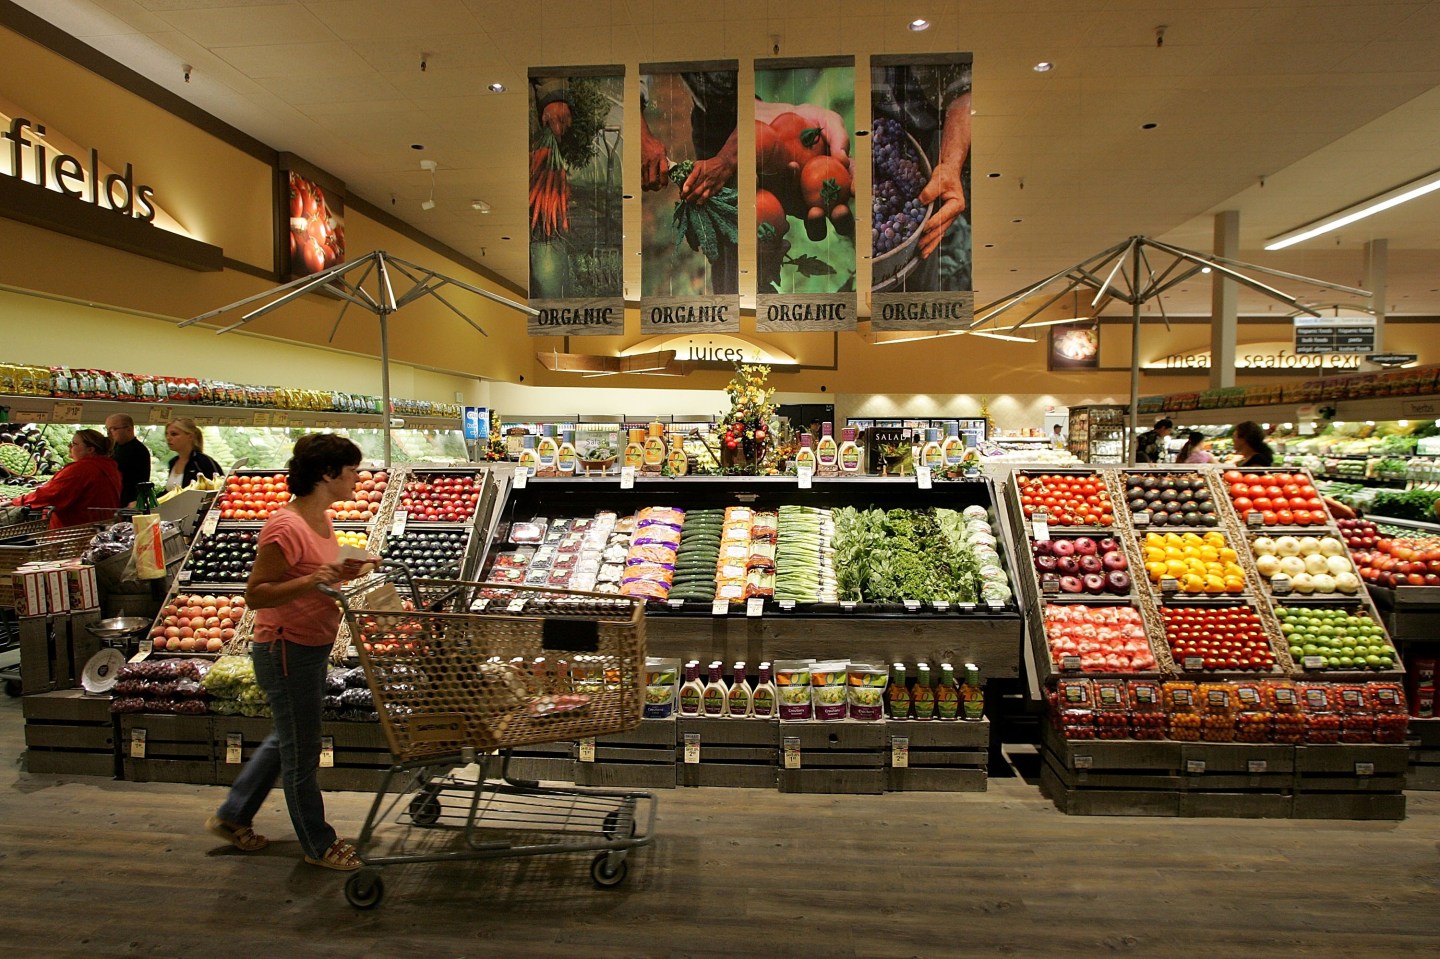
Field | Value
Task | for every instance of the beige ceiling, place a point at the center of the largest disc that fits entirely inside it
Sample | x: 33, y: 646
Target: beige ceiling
x: 1282, y: 109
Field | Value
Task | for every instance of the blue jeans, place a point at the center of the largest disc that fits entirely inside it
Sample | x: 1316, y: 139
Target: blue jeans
x: 293, y: 678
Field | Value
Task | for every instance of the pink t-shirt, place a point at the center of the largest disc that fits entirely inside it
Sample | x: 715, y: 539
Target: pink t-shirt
x: 312, y: 618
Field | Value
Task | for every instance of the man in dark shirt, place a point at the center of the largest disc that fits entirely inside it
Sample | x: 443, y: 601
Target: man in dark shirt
x: 130, y: 455
x: 1150, y: 447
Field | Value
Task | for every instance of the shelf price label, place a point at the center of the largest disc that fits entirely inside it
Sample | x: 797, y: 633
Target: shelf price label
x: 1070, y: 664
x: 787, y: 605
x: 212, y: 520
x: 1141, y: 519
x: 1050, y: 584
x: 260, y: 419
x: 143, y: 652
x: 1364, y: 769
x: 522, y: 477
x: 160, y: 414
x: 1194, y: 662
x: 1169, y: 584
x: 327, y: 752
x: 517, y: 605
x: 804, y: 476
x: 627, y: 477
x: 280, y: 418
x: 847, y: 606
x: 67, y: 412
x: 900, y: 752
x: 1084, y: 762
x: 1313, y: 662
x: 137, y: 744
x: 1195, y: 766
x: 1040, y: 527
x: 941, y: 605
x: 792, y: 752
x: 755, y: 606
x: 232, y: 749
x: 675, y: 603
x: 587, y: 749
x: 1254, y: 518
x: 721, y: 607
x: 1257, y: 766
x: 398, y: 521
x: 923, y: 478
x: 692, y: 749
x: 912, y: 605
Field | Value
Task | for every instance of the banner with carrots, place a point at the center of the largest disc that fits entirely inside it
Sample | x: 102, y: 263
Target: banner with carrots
x: 690, y: 262
x: 576, y: 221
x: 804, y: 196
x: 920, y: 261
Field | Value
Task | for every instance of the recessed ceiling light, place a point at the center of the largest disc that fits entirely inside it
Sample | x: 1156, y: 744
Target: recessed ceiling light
x: 504, y: 238
x: 1149, y: 126
x: 417, y: 146
x: 497, y: 88
x: 862, y: 133
x: 1044, y: 66
x: 919, y: 25
x: 1017, y: 221
x: 992, y: 175
x: 480, y: 205
x: 1205, y: 269
x: 989, y: 246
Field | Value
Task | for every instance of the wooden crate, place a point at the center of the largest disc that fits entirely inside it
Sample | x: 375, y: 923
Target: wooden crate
x: 1424, y: 770
x: 1101, y: 801
x: 1349, y: 805
x: 360, y: 753
x: 1342, y: 767
x: 70, y: 732
x: 54, y: 650
x: 839, y: 757
x: 643, y: 758
x: 553, y: 762
x: 733, y: 752
x: 178, y: 749
x: 941, y: 756
x: 252, y: 730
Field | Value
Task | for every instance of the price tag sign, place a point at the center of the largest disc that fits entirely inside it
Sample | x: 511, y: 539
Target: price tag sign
x: 260, y: 419
x: 1169, y: 584
x: 1050, y: 584
x: 922, y: 477
x: 1070, y: 664
x: 137, y: 744
x: 184, y: 576
x: 995, y: 605
x: 1257, y: 766
x: 212, y: 520
x: 941, y: 605
x: 1040, y: 528
x: 721, y: 607
x: 143, y: 652
x: 280, y: 418
x: 67, y: 412
x: 792, y: 752
x: 627, y: 477
x: 516, y: 605
x: 1040, y: 516
x: 398, y: 521
x: 232, y: 749
x: 1194, y: 662
x: 967, y: 607
x: 787, y: 605
x: 675, y: 603
x: 1313, y: 662
x: 1084, y: 762
x: 327, y: 752
x: 847, y: 606
x: 160, y: 414
x: 912, y: 605
x: 803, y: 477
x: 1195, y: 766
x: 1364, y: 769
x: 522, y: 477
x: 1140, y: 519
x: 587, y: 749
x: 900, y: 752
x: 754, y: 606
x: 692, y: 749
x: 1254, y: 518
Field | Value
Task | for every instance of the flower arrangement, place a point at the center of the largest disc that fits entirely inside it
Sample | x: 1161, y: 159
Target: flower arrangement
x: 749, y: 426
x: 495, y: 449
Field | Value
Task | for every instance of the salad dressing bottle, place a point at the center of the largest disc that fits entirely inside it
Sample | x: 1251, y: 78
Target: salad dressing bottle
x: 654, y: 457
x: 805, y: 455
x: 715, y: 696
x: 972, y: 697
x: 677, y: 460
x: 827, y: 452
x: 740, y: 695
x: 922, y: 694
x: 953, y: 449
x: 762, y: 701
x: 897, y: 694
x: 932, y: 454
x: 635, y: 450
x: 567, y: 458
x: 547, y: 449
x: 528, y: 457
x: 947, y: 694
x: 849, y: 452
x: 691, y: 692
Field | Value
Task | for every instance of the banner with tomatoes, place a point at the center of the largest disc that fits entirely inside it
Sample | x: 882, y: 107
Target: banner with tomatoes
x: 312, y: 204
x: 690, y: 262
x: 920, y: 276
x: 804, y: 196
x: 576, y: 221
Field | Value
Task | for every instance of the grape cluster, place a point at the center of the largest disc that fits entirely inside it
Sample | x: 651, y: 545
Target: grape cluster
x: 896, y: 211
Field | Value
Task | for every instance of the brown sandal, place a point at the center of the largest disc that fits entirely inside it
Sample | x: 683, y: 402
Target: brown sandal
x: 341, y: 856
x: 242, y: 838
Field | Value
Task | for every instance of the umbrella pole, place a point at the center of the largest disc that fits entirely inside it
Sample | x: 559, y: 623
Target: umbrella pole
x: 384, y: 314
x: 1129, y: 452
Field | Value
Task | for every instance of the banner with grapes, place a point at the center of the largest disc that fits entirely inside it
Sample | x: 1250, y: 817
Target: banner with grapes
x: 576, y: 220
x: 920, y: 192
x: 690, y: 258
x: 804, y: 196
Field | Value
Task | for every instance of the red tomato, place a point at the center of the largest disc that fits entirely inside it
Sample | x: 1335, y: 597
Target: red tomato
x: 1244, y: 504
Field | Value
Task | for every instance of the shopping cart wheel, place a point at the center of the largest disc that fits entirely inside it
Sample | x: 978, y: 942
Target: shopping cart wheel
x: 365, y: 889
x: 605, y: 875
x: 425, y: 807
x: 612, y: 826
x: 12, y: 688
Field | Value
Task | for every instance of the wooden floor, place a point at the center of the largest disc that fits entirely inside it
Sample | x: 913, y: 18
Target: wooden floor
x: 98, y: 868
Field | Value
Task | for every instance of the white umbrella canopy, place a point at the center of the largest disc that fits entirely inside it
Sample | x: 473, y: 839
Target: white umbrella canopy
x: 348, y: 281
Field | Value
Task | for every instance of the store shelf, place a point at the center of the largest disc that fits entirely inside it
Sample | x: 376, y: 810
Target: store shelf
x: 46, y: 409
x: 1379, y: 408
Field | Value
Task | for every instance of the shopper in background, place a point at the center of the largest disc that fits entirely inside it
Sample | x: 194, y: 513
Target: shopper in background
x: 1196, y: 449
x: 1151, y: 444
x: 1251, y: 446
x: 85, y: 491
x: 295, y: 626
x: 130, y: 455
x: 189, y: 462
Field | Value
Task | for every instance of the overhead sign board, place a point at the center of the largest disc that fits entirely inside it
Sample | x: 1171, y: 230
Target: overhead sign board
x: 1334, y: 334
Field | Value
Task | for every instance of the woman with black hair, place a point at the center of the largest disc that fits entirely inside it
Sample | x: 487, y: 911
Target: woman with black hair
x: 1250, y: 444
x: 295, y: 626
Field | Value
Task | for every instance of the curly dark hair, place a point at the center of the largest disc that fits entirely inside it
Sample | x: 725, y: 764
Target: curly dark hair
x: 319, y: 456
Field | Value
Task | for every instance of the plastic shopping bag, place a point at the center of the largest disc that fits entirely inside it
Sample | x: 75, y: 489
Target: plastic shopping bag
x: 149, y: 550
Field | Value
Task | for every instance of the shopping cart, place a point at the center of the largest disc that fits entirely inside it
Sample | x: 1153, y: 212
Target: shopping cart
x: 457, y: 690
x: 26, y: 537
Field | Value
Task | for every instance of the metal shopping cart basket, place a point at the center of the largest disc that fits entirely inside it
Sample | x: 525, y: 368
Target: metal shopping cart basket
x: 456, y: 691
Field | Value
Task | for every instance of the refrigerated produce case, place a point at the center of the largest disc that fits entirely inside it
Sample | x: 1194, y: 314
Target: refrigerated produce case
x: 1097, y: 434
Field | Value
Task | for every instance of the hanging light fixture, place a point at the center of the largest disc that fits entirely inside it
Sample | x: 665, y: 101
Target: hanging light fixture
x: 429, y: 165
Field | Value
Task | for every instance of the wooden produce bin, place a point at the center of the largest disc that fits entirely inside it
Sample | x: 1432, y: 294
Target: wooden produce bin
x: 1424, y: 770
x: 55, y: 649
x: 1350, y: 781
x: 643, y: 758
x: 250, y: 730
x: 554, y: 762
x: 161, y: 748
x: 838, y: 757
x: 732, y: 752
x: 69, y: 732
x: 359, y: 753
x: 938, y: 756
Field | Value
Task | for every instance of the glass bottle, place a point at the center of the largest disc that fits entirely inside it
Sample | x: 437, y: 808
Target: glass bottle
x: 762, y: 700
x: 897, y: 694
x: 947, y: 694
x: 972, y: 697
x: 145, y: 501
x: 922, y: 694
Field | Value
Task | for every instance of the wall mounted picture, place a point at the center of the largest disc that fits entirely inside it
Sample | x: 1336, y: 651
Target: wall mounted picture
x: 1075, y: 346
x: 312, y: 207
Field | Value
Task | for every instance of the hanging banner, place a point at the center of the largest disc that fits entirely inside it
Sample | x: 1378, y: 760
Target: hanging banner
x: 690, y: 263
x: 920, y: 276
x: 804, y: 202
x: 576, y: 221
